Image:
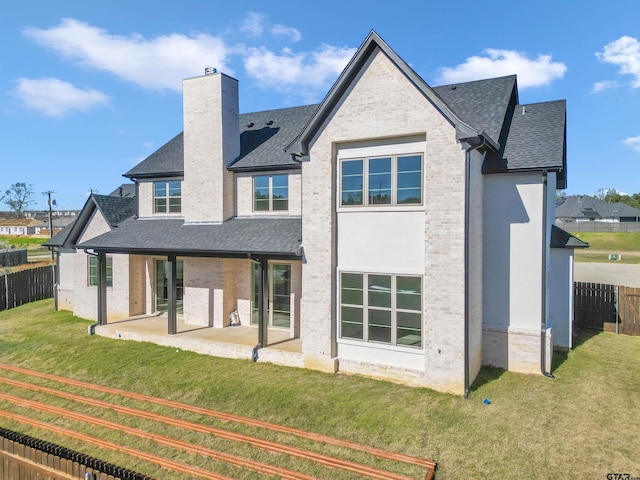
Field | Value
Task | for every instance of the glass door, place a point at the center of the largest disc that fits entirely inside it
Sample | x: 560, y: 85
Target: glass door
x: 279, y: 289
x: 162, y: 286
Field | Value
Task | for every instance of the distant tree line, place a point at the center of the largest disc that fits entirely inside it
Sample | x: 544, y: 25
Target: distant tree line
x: 611, y: 195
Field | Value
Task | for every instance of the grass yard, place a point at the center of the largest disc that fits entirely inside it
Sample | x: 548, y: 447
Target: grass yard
x: 602, y: 244
x: 583, y: 424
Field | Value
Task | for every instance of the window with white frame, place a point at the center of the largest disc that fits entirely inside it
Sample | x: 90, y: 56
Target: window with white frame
x: 92, y: 275
x: 381, y: 308
x: 384, y: 180
x: 270, y: 193
x: 167, y: 196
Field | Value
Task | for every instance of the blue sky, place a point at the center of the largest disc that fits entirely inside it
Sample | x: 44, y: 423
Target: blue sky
x: 90, y: 88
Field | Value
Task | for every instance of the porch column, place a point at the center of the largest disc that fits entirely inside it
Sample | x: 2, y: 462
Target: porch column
x: 263, y: 303
x: 172, y: 295
x: 102, y: 288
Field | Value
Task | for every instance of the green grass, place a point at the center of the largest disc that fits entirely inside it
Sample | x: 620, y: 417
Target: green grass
x: 615, y: 242
x: 602, y: 244
x: 22, y: 241
x: 582, y: 424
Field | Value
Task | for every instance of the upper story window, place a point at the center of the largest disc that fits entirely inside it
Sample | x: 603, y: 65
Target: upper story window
x: 93, y: 271
x: 167, y: 196
x: 270, y: 193
x: 392, y: 180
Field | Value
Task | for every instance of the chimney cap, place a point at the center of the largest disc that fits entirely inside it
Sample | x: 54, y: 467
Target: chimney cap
x: 210, y: 70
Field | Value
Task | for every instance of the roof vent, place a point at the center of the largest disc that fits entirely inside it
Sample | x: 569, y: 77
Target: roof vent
x: 269, y: 122
x: 251, y: 124
x: 210, y: 70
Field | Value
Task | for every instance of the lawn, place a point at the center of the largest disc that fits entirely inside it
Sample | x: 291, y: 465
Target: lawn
x: 602, y: 244
x: 35, y: 251
x: 582, y: 424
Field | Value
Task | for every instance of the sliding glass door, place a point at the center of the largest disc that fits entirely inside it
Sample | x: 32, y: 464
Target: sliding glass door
x: 162, y: 286
x: 279, y: 295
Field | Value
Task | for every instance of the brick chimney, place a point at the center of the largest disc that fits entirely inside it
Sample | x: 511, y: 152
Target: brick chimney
x: 211, y: 142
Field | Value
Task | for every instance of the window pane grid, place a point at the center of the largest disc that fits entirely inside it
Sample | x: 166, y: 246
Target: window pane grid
x: 270, y: 193
x: 395, y: 180
x: 167, y: 197
x: 381, y: 308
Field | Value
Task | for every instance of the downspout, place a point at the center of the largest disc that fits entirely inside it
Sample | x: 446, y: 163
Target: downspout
x: 92, y: 327
x: 262, y: 330
x: 543, y: 315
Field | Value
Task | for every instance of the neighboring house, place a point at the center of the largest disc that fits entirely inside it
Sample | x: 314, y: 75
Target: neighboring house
x: 397, y: 230
x: 583, y: 208
x: 19, y: 226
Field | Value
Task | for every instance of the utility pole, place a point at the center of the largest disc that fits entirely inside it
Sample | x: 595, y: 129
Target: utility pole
x: 50, y: 203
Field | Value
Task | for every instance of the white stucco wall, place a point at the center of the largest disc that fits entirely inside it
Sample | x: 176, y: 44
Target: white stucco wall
x: 561, y: 296
x: 513, y: 268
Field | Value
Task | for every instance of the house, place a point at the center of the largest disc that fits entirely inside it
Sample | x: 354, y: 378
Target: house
x: 584, y: 208
x: 19, y: 226
x: 396, y: 230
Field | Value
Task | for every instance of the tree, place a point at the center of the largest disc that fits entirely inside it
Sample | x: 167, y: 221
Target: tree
x: 19, y: 197
x: 611, y: 195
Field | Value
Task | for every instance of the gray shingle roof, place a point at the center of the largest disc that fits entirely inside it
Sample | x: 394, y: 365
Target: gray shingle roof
x: 585, y: 206
x: 115, y: 209
x: 238, y: 236
x: 263, y: 137
x: 482, y: 103
x: 262, y: 144
x: 168, y: 160
x: 535, y: 140
x: 59, y: 239
x: 487, y: 108
x: 125, y: 190
x: 563, y: 239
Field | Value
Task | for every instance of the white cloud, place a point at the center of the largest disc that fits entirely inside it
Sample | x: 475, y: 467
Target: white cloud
x: 253, y: 24
x: 159, y: 63
x: 291, y: 32
x: 309, y: 71
x: 55, y: 98
x: 604, y: 85
x: 625, y: 53
x: 496, y: 63
x: 633, y: 143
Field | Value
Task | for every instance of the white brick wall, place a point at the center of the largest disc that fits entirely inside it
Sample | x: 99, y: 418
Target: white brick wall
x: 381, y: 104
x: 211, y: 141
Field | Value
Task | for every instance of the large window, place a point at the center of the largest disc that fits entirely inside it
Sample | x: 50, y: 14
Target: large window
x: 167, y: 197
x: 93, y: 271
x: 270, y: 192
x: 381, y: 308
x: 393, y: 180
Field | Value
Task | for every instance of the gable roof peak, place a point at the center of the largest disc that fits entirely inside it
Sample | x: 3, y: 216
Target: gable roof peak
x: 373, y: 42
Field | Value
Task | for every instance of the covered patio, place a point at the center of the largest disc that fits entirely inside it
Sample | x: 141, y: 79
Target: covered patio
x: 229, y: 342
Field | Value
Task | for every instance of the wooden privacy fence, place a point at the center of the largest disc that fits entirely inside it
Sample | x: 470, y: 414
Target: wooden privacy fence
x: 13, y: 258
x: 26, y: 286
x: 607, y: 307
